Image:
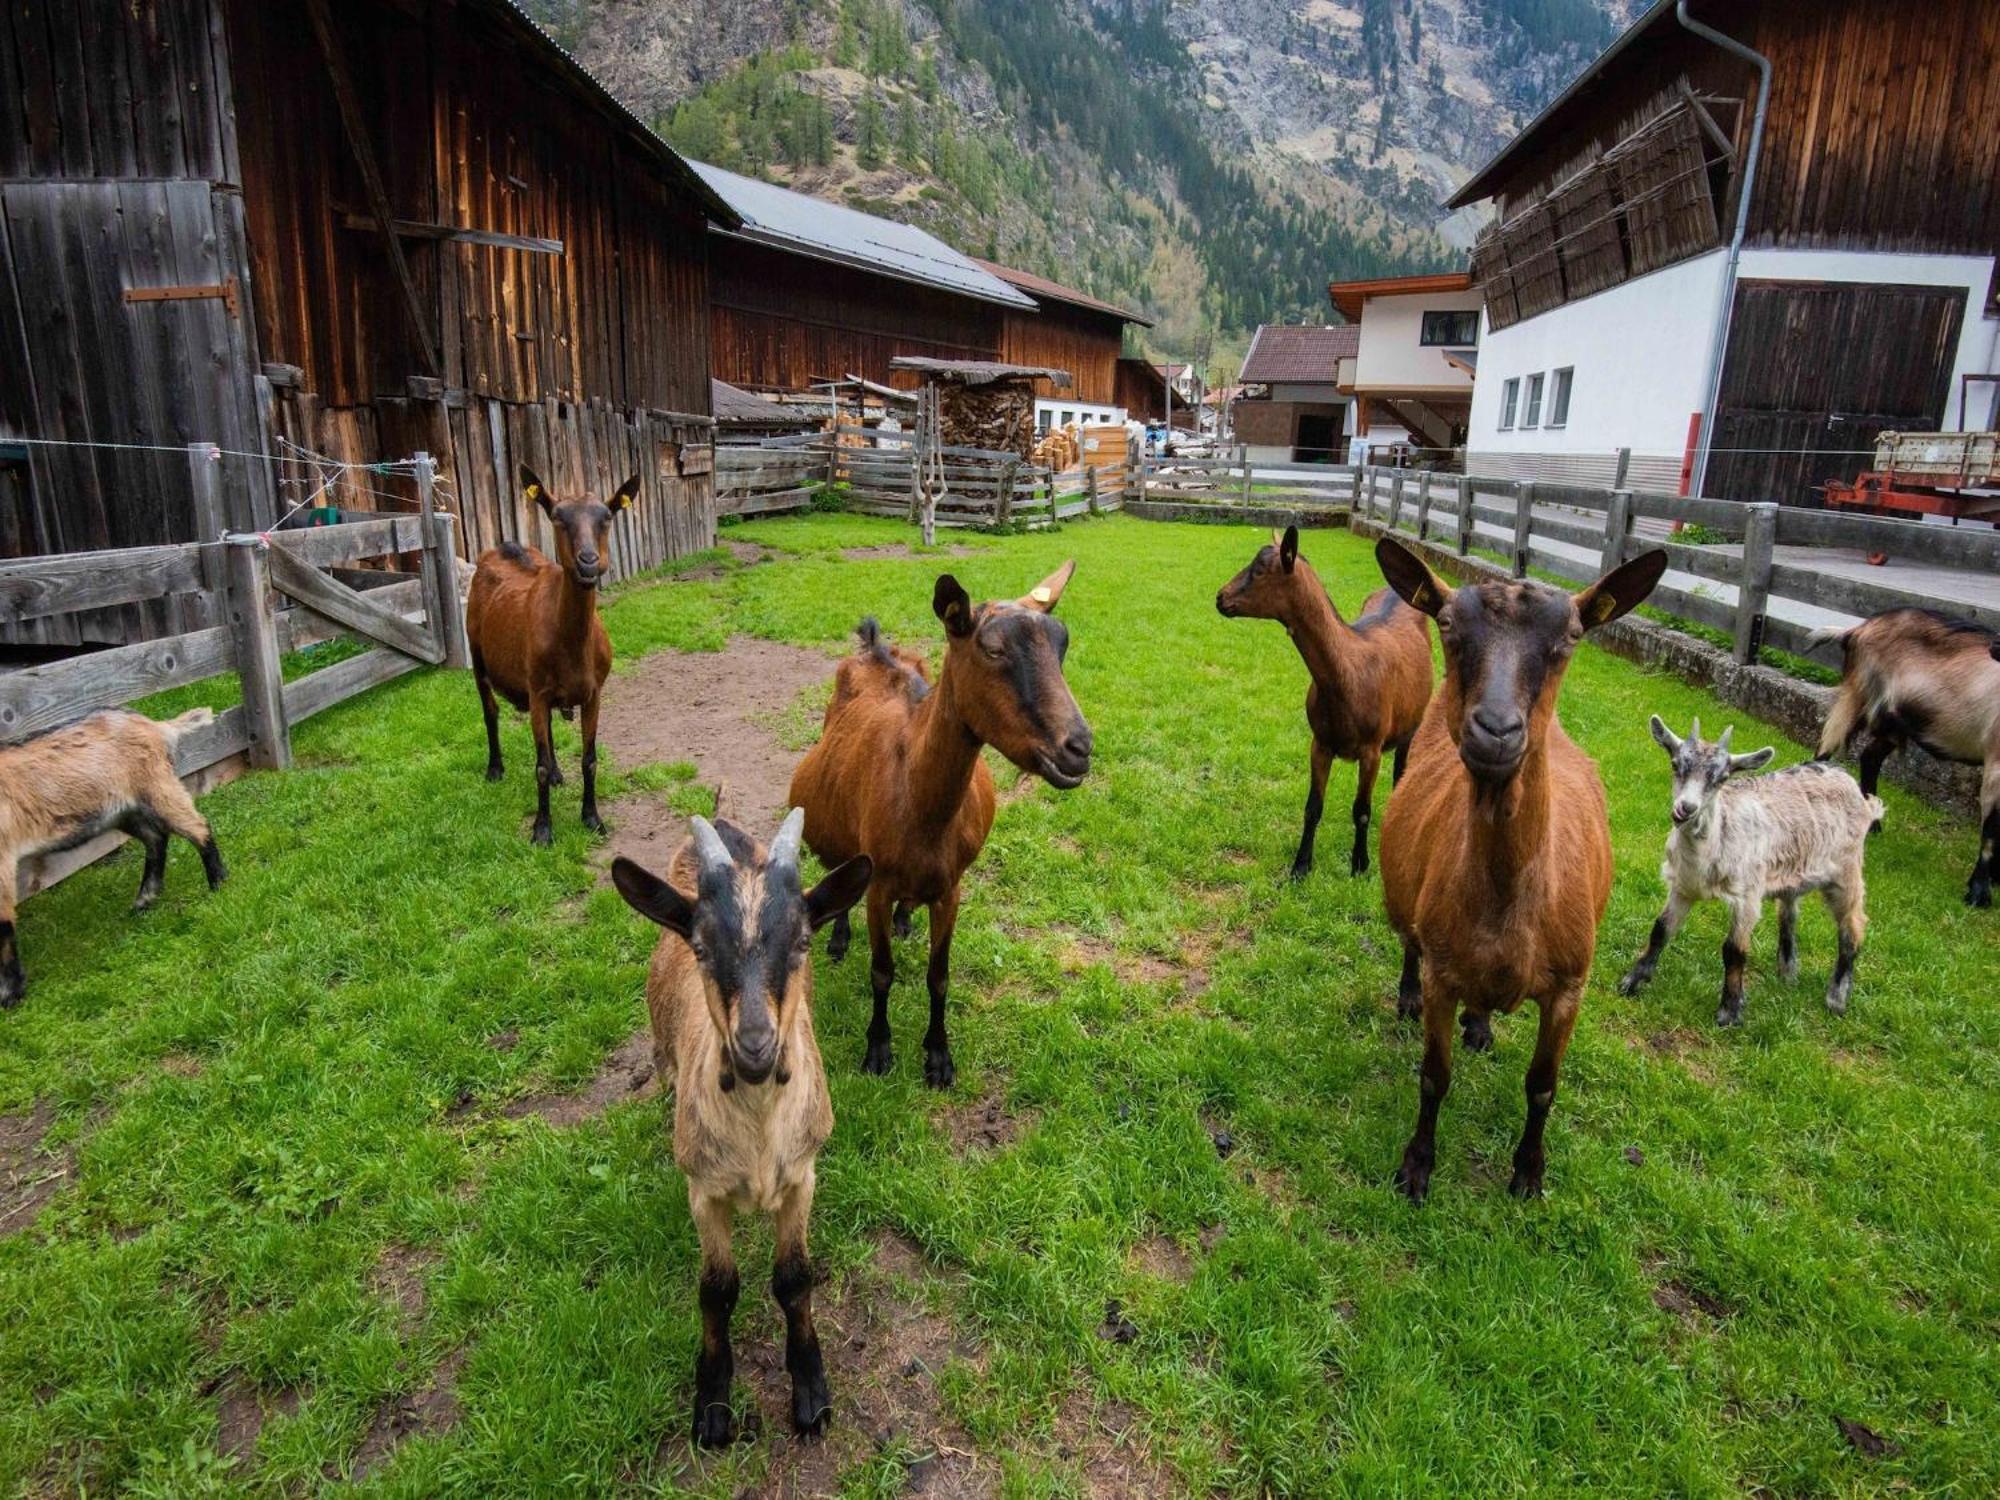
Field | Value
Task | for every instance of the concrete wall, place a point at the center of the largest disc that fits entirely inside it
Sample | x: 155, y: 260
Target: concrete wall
x: 1640, y: 352
x: 1392, y: 355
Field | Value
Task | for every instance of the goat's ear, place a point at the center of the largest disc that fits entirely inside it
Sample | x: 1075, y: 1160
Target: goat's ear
x: 1415, y: 584
x: 1669, y: 741
x: 842, y: 887
x: 1044, y: 595
x: 1753, y: 761
x: 1620, y: 591
x: 951, y: 604
x: 1277, y: 537
x: 535, y: 492
x: 652, y: 897
x: 1288, y: 547
x: 627, y: 493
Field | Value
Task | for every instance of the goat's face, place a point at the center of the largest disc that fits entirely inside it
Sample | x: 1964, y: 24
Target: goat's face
x: 750, y: 927
x: 1006, y: 660
x: 582, y: 527
x: 1700, y: 768
x: 1263, y: 590
x: 1506, y: 647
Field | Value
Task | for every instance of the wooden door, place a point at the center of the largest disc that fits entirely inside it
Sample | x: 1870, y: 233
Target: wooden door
x: 1815, y: 370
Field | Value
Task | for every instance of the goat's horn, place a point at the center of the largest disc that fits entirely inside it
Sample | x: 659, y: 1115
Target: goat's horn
x: 708, y: 845
x: 1694, y: 730
x: 1727, y: 731
x: 785, y: 847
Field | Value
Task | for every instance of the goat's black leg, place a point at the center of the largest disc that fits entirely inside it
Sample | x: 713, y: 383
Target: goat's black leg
x: 175, y: 808
x: 1735, y: 959
x: 545, y: 768
x: 1409, y: 988
x: 1879, y: 748
x: 1850, y: 920
x: 1664, y: 927
x: 838, y: 937
x: 491, y: 710
x: 1402, y: 758
x: 151, y: 832
x: 792, y: 1284
x: 1788, y: 938
x: 1551, y: 1041
x: 1979, y: 889
x: 12, y: 982
x: 715, y: 1364
x: 1475, y: 1031
x: 881, y: 974
x: 902, y: 919
x: 938, y: 1070
x: 1322, y: 762
x: 590, y: 818
x: 1369, y: 764
x: 1413, y: 1177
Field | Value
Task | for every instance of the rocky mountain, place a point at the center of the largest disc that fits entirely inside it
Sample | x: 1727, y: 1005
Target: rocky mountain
x: 1214, y: 162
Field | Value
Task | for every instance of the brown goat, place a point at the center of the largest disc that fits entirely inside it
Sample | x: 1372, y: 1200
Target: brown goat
x: 1370, y: 680
x: 896, y: 774
x: 1496, y: 850
x: 535, y: 636
x: 112, y: 770
x: 1913, y: 675
x: 730, y: 998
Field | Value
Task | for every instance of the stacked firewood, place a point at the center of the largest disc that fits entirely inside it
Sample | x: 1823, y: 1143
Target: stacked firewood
x: 1060, y: 449
x: 999, y: 415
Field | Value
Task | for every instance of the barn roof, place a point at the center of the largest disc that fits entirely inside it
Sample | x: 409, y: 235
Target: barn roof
x: 734, y: 404
x: 1296, y: 352
x: 1054, y: 291
x: 978, y: 371
x: 805, y: 225
x: 676, y: 168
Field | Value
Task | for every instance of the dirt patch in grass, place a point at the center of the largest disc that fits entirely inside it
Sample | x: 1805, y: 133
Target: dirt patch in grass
x: 748, y: 553
x: 1684, y: 1301
x: 431, y: 1408
x: 713, y: 708
x: 29, y: 1176
x: 629, y: 1073
x: 1161, y: 1257
x: 398, y: 1280
x: 1081, y: 951
x: 1686, y: 1046
x: 903, y: 549
x: 984, y: 1126
x: 1102, y: 1439
x: 242, y: 1409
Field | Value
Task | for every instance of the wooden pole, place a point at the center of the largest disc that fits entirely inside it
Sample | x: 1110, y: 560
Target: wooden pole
x: 1624, y: 469
x: 1090, y: 490
x: 1465, y: 504
x: 1617, y: 526
x: 441, y: 602
x: 1395, y: 499
x: 253, y: 621
x: 1244, y: 449
x: 1423, y: 506
x: 1753, y: 594
x: 1524, y: 520
x: 205, y: 483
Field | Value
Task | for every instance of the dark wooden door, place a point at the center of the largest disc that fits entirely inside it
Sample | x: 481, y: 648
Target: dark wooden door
x: 1815, y: 370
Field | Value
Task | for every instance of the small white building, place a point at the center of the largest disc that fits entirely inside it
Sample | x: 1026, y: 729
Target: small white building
x: 1413, y: 367
x: 1863, y: 296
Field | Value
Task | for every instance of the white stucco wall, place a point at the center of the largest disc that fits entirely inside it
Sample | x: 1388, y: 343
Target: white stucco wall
x: 1640, y: 352
x: 1392, y: 355
x: 1051, y: 414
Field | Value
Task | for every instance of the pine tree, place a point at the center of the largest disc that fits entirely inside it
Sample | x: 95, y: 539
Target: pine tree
x: 868, y: 133
x: 906, y: 134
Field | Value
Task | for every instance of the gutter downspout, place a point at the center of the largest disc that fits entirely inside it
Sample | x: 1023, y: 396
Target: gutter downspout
x: 1726, y: 299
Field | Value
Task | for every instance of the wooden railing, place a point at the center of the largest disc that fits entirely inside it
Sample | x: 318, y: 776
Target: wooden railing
x: 1236, y: 480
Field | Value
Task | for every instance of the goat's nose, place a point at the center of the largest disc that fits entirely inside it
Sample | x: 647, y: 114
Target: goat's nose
x: 587, y: 558
x: 1079, y: 743
x: 1497, y: 723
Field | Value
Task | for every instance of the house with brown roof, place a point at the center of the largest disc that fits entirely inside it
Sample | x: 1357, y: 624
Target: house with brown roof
x: 1298, y: 382
x: 1067, y: 330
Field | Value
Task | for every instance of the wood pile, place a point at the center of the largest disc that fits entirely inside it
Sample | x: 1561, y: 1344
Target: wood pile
x: 1060, y: 449
x: 998, y: 416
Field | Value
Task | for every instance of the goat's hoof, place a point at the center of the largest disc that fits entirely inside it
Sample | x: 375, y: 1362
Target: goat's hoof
x: 144, y: 903
x: 541, y: 836
x: 812, y: 1405
x: 938, y: 1070
x: 1526, y: 1183
x: 9, y: 998
x: 1409, y: 1007
x: 1477, y: 1034
x: 836, y: 948
x: 1979, y: 893
x: 1632, y: 982
x: 494, y: 772
x: 878, y: 1058
x: 1874, y: 828
x: 1300, y: 869
x: 1413, y: 1178
x: 1788, y: 970
x: 714, y: 1425
x: 1729, y: 1015
x: 1358, y: 865
x: 556, y: 776
x: 593, y: 822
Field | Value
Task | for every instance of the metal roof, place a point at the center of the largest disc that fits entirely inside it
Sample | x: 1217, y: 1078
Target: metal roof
x: 773, y: 215
x: 1055, y: 291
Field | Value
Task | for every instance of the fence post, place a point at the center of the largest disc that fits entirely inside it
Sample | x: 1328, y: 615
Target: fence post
x: 1617, y: 526
x: 1139, y: 474
x: 1424, y: 507
x: 1753, y: 594
x: 440, y: 562
x: 205, y: 482
x: 1395, y: 499
x: 1003, y: 502
x: 1524, y: 520
x: 1465, y: 503
x: 1244, y: 449
x: 1624, y: 469
x: 1090, y: 490
x: 253, y: 621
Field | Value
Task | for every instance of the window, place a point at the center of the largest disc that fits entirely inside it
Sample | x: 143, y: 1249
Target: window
x: 1532, y: 416
x: 1457, y: 330
x: 1042, y: 421
x: 1559, y: 398
x: 1509, y: 394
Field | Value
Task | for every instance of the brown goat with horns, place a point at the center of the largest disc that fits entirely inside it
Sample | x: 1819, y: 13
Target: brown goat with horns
x: 1370, y: 680
x: 896, y: 774
x: 535, y: 636
x: 730, y: 997
x: 1496, y: 848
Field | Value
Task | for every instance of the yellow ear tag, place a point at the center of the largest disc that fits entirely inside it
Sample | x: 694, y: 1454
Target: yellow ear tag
x: 1422, y: 598
x: 1041, y: 594
x: 534, y: 492
x: 1602, y: 608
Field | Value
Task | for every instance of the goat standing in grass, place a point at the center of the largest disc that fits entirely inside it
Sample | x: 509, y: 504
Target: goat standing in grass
x: 535, y: 636
x: 1798, y: 830
x: 111, y: 771
x: 1496, y: 849
x: 896, y: 774
x: 730, y: 996
x: 1370, y: 680
x: 1914, y: 675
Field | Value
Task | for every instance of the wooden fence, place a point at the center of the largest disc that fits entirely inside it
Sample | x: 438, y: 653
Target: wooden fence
x: 1235, y: 480
x: 235, y: 587
x: 776, y: 474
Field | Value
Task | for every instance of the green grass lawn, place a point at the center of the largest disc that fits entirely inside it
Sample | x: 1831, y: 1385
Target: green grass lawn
x: 273, y: 1096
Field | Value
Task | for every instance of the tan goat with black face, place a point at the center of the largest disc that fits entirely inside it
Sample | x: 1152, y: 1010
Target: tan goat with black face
x: 730, y: 996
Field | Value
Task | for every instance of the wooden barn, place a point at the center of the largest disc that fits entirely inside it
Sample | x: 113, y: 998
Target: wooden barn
x: 1863, y: 295
x: 366, y: 228
x: 1068, y: 330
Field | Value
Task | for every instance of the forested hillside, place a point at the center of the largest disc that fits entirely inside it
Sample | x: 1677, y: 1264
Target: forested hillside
x: 1213, y: 163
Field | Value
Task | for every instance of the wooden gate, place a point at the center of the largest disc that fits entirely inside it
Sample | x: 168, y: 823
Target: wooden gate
x: 1815, y: 370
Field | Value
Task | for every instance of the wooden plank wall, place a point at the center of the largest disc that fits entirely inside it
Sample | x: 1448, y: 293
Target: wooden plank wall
x: 1062, y: 337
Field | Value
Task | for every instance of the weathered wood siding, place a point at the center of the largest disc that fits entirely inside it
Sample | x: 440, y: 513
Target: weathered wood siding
x: 781, y: 321
x: 1064, y: 337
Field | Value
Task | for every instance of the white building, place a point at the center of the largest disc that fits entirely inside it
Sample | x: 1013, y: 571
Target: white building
x: 1412, y: 376
x: 1863, y: 297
